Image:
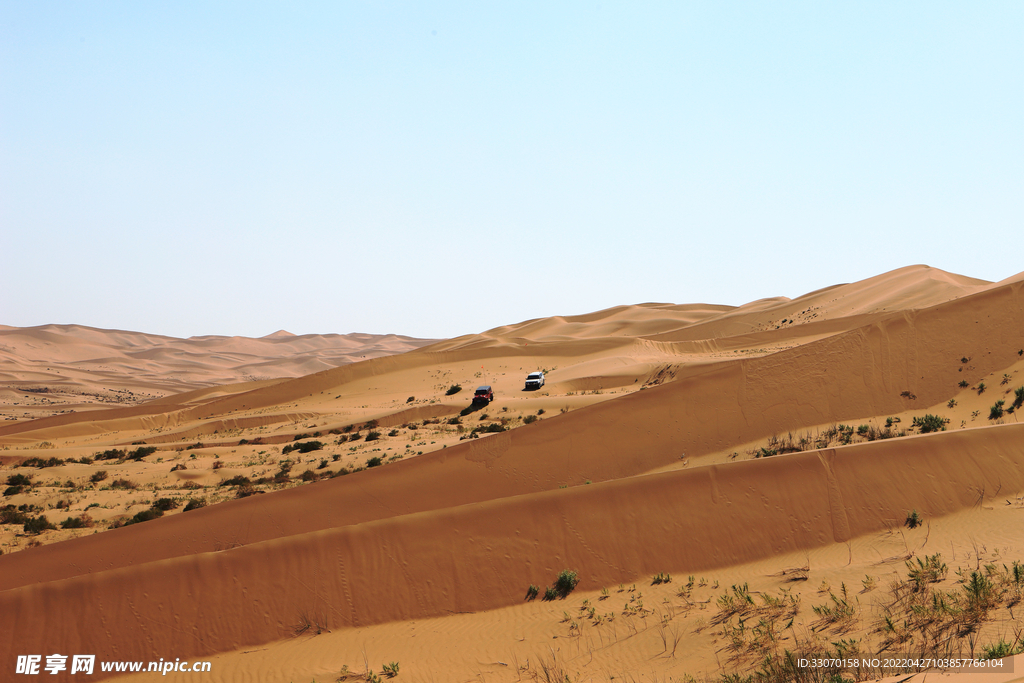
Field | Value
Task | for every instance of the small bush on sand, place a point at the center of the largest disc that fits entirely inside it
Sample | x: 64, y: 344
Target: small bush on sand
x: 18, y: 480
x: 165, y: 504
x: 981, y: 388
x: 566, y: 582
x: 532, y: 592
x: 99, y: 476
x: 913, y: 519
x: 930, y: 423
x: 236, y: 481
x: 123, y: 484
x: 373, y: 436
x: 145, y: 516
x: 194, y: 504
x: 453, y: 389
x: 996, y: 411
x: 80, y: 522
x: 529, y: 419
x: 375, y: 461
x: 37, y: 525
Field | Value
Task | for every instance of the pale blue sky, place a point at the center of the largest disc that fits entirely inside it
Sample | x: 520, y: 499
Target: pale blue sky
x: 435, y: 169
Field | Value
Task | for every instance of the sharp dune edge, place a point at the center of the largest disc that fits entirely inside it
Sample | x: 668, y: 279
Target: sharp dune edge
x: 467, y: 528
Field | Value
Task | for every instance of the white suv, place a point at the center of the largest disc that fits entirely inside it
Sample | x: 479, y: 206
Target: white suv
x: 534, y: 381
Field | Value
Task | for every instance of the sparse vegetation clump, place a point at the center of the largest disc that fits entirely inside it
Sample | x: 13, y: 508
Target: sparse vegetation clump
x: 996, y: 411
x: 194, y: 504
x: 81, y: 522
x: 565, y: 583
x: 304, y: 447
x: 37, y: 525
x: 930, y: 423
x: 375, y: 461
x: 453, y: 389
x: 913, y: 520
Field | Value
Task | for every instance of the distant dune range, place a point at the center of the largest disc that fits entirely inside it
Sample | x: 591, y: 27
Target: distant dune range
x: 468, y: 527
x: 73, y: 366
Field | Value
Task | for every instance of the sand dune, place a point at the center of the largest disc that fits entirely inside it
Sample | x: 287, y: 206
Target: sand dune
x: 641, y: 462
x: 61, y: 367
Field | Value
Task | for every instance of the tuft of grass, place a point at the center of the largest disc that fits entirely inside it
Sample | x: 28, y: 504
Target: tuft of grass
x: 930, y: 423
x: 532, y: 592
x: 565, y: 583
x: 913, y: 519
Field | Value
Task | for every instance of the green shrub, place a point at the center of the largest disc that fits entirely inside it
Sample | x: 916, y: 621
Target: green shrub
x: 145, y: 516
x: 141, y: 452
x: 372, y: 436
x: 375, y: 461
x: 963, y: 384
x: 99, y: 476
x: 74, y: 523
x: 492, y: 428
x: 1018, y: 397
x: 11, y: 515
x: 308, y: 475
x: 981, y: 388
x: 165, y: 504
x: 123, y: 484
x: 37, y: 525
x: 531, y: 592
x: 18, y: 480
x: 550, y: 593
x: 304, y: 447
x: 393, y: 432
x: 40, y: 463
x: 1000, y: 650
x: 13, y: 490
x: 112, y: 454
x: 566, y: 582
x: 930, y: 423
x: 194, y: 504
x: 913, y: 519
x: 236, y: 481
x: 996, y: 411
x: 529, y: 419
x: 453, y: 389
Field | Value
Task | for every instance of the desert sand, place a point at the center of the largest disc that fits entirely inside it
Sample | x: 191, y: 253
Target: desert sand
x: 727, y: 483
